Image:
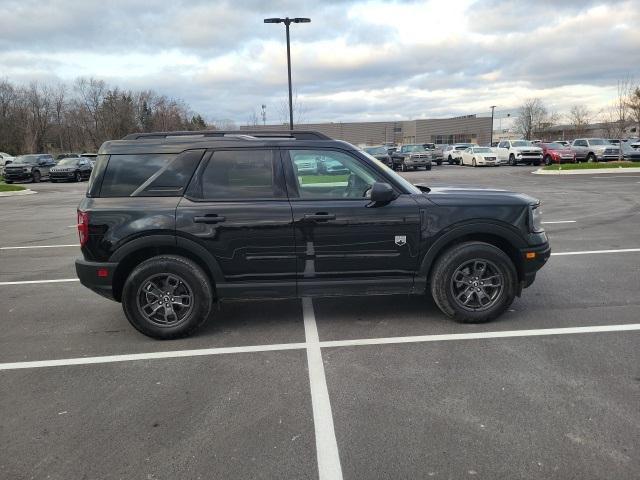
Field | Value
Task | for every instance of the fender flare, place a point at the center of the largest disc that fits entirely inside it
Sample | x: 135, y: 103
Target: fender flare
x: 502, y: 231
x: 163, y: 240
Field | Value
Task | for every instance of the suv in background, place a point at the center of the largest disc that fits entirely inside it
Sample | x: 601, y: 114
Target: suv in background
x: 382, y: 153
x: 557, y: 153
x: 594, y: 150
x: 71, y: 169
x: 5, y: 159
x: 513, y: 152
x: 453, y: 153
x: 173, y: 222
x: 29, y: 167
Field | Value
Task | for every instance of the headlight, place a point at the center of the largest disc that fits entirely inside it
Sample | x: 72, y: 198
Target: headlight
x: 535, y: 219
x: 518, y: 154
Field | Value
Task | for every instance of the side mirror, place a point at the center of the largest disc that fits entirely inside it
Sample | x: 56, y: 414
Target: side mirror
x: 382, y: 193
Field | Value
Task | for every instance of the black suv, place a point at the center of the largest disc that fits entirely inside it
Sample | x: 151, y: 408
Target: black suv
x: 173, y: 222
x: 33, y: 167
x: 74, y: 169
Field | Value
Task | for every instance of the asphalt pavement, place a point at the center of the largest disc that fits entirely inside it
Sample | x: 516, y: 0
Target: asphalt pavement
x: 390, y: 389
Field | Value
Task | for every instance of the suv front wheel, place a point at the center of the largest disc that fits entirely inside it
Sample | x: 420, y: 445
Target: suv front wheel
x: 474, y: 282
x: 167, y: 297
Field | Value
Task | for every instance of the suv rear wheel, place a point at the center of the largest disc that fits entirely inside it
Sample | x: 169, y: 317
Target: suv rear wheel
x: 474, y: 282
x: 167, y: 297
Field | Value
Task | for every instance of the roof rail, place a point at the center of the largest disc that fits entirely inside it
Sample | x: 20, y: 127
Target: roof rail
x: 297, y: 134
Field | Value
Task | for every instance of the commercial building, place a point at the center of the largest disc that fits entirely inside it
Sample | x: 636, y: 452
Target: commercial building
x: 469, y: 129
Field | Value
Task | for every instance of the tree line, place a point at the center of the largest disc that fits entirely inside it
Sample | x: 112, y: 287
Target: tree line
x: 534, y: 118
x: 55, y: 117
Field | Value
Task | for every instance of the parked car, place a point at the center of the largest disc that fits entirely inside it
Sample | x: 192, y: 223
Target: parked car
x: 91, y: 156
x: 169, y: 226
x: 33, y: 167
x: 453, y: 152
x: 594, y: 150
x: 635, y: 144
x: 381, y: 153
x: 71, y: 169
x: 412, y: 155
x: 436, y: 150
x: 476, y: 156
x: 5, y: 159
x: 513, y: 152
x: 557, y: 153
x: 630, y: 153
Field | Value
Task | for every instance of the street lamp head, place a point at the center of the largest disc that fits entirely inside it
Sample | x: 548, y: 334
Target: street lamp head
x: 273, y: 20
x: 301, y: 20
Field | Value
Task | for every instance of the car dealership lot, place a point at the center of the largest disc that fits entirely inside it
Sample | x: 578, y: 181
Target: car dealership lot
x: 507, y: 399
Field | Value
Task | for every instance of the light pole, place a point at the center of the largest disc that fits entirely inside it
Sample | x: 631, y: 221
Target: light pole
x: 288, y: 21
x: 491, y: 137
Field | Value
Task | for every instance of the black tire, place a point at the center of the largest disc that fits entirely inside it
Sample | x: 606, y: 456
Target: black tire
x: 192, y: 279
x: 591, y: 158
x: 512, y: 160
x: 439, y: 162
x: 474, y: 163
x: 35, y: 177
x: 443, y: 288
x: 428, y: 167
x: 450, y: 160
x: 547, y: 160
x: 78, y: 177
x: 403, y: 167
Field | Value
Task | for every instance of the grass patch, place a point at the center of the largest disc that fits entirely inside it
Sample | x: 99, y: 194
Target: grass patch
x: 311, y: 179
x: 10, y: 188
x: 592, y: 166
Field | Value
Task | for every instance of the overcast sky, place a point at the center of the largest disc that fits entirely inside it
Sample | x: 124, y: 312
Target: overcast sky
x: 357, y: 60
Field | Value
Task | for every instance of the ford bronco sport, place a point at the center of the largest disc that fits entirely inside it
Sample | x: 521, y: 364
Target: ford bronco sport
x: 173, y: 222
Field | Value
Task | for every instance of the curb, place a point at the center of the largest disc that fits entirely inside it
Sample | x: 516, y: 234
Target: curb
x: 588, y: 171
x: 17, y: 193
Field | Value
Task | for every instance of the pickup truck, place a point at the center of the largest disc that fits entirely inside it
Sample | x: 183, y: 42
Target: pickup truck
x: 412, y: 155
x: 594, y: 150
x: 438, y: 152
x: 519, y: 151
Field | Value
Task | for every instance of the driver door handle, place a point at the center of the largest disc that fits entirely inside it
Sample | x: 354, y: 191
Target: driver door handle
x: 209, y: 218
x: 319, y: 217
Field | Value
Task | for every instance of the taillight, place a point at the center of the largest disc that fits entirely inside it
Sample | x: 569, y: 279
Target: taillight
x: 83, y: 227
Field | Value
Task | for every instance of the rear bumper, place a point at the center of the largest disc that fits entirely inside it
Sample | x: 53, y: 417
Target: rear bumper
x: 532, y: 265
x: 88, y: 274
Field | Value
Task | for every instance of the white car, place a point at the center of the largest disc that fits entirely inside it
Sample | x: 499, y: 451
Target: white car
x: 4, y: 159
x: 453, y: 152
x: 475, y: 156
x: 519, y: 151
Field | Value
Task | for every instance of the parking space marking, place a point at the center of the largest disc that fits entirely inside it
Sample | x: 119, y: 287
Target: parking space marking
x: 481, y: 335
x: 592, y: 252
x: 326, y: 443
x: 28, y: 282
x: 40, y: 246
x: 558, y: 221
x: 63, y: 362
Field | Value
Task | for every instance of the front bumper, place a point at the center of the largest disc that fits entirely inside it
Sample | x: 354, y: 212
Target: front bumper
x: 62, y: 175
x: 88, y: 273
x: 17, y: 176
x: 532, y: 265
x: 413, y: 162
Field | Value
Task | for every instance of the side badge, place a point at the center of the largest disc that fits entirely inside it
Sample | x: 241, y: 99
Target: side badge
x: 401, y: 240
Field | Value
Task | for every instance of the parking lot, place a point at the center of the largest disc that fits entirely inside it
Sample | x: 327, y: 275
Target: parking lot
x: 354, y: 388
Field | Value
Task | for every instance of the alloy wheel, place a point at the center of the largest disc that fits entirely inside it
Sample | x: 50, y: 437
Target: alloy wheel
x: 477, y: 285
x: 165, y: 299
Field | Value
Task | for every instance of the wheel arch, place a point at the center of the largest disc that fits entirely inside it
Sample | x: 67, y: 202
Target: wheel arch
x: 499, y: 236
x: 140, y: 249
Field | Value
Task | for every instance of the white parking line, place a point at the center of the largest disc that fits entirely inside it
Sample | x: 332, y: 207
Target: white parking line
x: 592, y: 252
x: 40, y: 246
x: 326, y: 444
x: 28, y: 282
x: 558, y: 221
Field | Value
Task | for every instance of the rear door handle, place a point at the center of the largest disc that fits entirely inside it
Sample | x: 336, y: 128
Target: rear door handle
x: 319, y: 217
x: 209, y: 218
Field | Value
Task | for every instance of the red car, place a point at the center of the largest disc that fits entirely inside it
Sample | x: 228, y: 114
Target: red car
x: 556, y: 153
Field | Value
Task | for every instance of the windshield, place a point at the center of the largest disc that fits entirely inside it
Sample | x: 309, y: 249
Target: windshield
x: 555, y: 146
x: 381, y: 166
x: 482, y: 150
x: 598, y: 141
x: 30, y: 159
x: 68, y: 161
x: 376, y: 150
x: 463, y: 146
x: 413, y: 148
x: 521, y: 143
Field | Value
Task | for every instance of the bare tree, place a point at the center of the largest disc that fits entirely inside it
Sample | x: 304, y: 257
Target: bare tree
x: 533, y: 118
x: 579, y: 118
x: 634, y: 108
x: 617, y: 116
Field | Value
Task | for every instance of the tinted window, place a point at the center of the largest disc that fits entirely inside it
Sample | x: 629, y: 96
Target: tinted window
x: 240, y: 174
x: 149, y: 175
x: 324, y: 174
